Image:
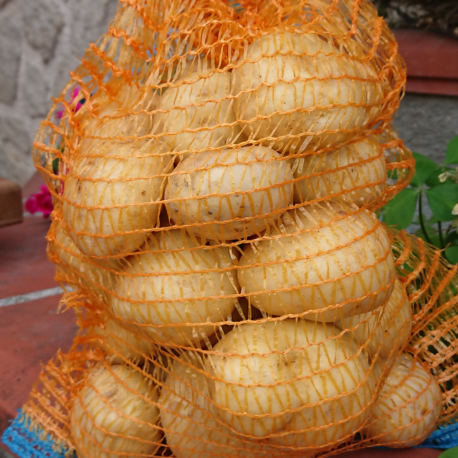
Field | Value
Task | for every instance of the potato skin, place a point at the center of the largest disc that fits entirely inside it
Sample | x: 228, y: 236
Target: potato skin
x: 93, y: 275
x: 243, y: 173
x: 345, y: 264
x: 121, y: 341
x: 279, y: 380
x: 155, y: 276
x: 125, y: 175
x: 125, y: 113
x: 297, y: 88
x: 385, y: 330
x: 408, y: 407
x: 356, y: 173
x: 197, y: 103
x: 115, y: 413
x: 191, y: 426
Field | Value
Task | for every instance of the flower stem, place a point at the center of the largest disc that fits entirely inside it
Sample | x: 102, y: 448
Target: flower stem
x: 420, y: 215
x: 441, y: 236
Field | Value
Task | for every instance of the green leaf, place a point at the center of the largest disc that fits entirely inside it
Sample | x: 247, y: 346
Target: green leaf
x: 55, y: 166
x: 423, y: 167
x: 433, y: 179
x: 442, y: 199
x: 392, y: 174
x: 450, y: 453
x: 432, y: 220
x: 433, y: 237
x: 452, y: 254
x: 401, y: 210
x: 452, y: 238
x: 451, y: 155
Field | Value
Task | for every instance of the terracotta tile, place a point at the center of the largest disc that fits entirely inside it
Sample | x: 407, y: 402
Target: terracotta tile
x: 30, y: 335
x: 432, y: 66
x: 24, y: 266
x: 440, y: 86
x: 428, y: 54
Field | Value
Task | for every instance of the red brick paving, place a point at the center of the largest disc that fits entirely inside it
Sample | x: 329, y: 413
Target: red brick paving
x: 31, y: 333
x: 24, y: 266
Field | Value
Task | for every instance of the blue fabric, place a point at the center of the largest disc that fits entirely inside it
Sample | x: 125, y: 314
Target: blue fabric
x: 27, y: 443
x: 30, y: 442
x: 444, y: 437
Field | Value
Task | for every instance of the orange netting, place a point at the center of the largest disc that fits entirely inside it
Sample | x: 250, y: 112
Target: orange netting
x: 215, y: 183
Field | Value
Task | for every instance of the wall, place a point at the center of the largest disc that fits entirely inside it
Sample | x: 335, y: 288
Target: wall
x: 40, y: 43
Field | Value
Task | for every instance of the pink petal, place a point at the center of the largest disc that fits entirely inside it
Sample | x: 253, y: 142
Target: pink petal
x: 31, y: 205
x: 75, y: 92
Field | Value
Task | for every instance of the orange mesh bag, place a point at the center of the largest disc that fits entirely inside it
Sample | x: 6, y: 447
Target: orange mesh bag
x: 216, y: 181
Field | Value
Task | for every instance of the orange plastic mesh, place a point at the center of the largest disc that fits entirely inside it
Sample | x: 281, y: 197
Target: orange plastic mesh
x: 215, y: 171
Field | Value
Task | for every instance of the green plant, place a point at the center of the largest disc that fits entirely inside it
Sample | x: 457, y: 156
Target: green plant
x: 439, y: 183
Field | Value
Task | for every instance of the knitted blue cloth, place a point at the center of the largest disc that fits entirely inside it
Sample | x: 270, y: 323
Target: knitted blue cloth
x: 37, y: 444
x: 28, y: 441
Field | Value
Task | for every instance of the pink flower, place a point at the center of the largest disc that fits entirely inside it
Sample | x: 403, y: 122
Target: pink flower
x: 40, y: 202
x: 75, y: 92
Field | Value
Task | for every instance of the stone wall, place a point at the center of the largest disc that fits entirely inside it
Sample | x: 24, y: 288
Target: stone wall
x: 40, y: 43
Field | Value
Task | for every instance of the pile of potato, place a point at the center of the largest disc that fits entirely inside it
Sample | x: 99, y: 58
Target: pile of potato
x: 247, y: 294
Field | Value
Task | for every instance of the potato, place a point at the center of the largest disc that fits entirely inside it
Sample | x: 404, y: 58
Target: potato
x: 92, y: 274
x: 186, y: 68
x: 124, y: 113
x: 244, y: 174
x: 356, y: 173
x: 408, y: 407
x: 121, y: 341
x: 385, y: 330
x: 113, y: 199
x: 292, y: 382
x: 329, y: 262
x: 116, y: 414
x: 191, y: 112
x: 190, y: 424
x: 157, y: 276
x: 302, y: 92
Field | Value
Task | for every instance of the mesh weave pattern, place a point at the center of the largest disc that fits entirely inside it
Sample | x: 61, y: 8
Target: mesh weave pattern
x: 215, y: 201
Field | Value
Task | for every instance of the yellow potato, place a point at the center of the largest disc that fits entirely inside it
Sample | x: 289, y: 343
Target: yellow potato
x: 98, y: 277
x: 185, y: 68
x: 408, y: 407
x: 116, y: 414
x: 190, y: 424
x: 157, y: 276
x: 293, y: 383
x: 300, y: 89
x: 356, y: 173
x: 255, y: 178
x: 122, y: 114
x: 385, y: 330
x: 112, y: 200
x: 329, y: 260
x: 191, y: 113
x: 121, y: 341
